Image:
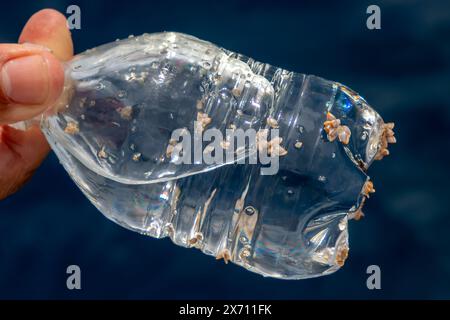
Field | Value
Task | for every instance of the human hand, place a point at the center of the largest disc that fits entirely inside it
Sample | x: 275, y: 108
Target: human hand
x: 31, y: 80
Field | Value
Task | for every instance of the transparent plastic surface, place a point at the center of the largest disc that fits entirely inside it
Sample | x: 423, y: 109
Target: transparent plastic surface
x: 113, y: 126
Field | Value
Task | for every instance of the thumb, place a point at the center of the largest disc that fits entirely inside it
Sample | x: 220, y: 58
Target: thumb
x: 31, y: 79
x: 48, y: 28
x: 31, y: 76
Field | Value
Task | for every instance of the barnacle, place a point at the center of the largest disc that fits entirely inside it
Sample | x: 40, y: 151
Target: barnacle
x: 272, y: 122
x: 71, y: 128
x: 298, y: 144
x: 202, y: 120
x: 334, y: 129
x: 387, y: 137
x: 125, y: 112
x: 102, y: 153
x: 225, y: 255
x: 368, y: 189
x: 274, y: 148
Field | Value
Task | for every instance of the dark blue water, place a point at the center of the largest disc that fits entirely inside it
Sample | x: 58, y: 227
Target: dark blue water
x: 403, y: 70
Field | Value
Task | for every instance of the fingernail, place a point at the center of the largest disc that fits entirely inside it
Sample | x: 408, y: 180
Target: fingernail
x: 25, y: 80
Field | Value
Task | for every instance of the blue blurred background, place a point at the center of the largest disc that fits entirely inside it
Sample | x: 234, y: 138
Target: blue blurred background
x: 403, y: 70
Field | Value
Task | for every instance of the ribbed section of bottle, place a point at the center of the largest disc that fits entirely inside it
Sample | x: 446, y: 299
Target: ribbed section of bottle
x: 289, y: 223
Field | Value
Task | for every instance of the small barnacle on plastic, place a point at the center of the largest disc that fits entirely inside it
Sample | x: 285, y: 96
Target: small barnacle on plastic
x: 102, y: 153
x: 133, y: 76
x: 244, y: 254
x: 341, y: 256
x: 344, y: 134
x: 261, y: 140
x: 273, y: 146
x: 71, y: 128
x: 125, y: 112
x: 169, y: 150
x: 169, y: 230
x: 331, y: 122
x: 202, y: 120
x: 171, y: 147
x: 136, y: 156
x: 217, y: 78
x: 271, y: 122
x: 199, y: 104
x: 358, y: 215
x: 236, y: 92
x: 225, y: 255
x: 298, y: 144
x: 198, y: 237
x: 334, y: 129
x: 275, y: 149
x: 368, y: 189
x: 386, y: 137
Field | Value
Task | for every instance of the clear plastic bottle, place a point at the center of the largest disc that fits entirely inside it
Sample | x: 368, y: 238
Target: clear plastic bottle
x: 112, y: 131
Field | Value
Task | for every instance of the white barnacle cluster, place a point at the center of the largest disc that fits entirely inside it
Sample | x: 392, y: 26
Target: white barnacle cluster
x: 271, y: 122
x: 136, y: 156
x: 225, y: 144
x: 125, y: 112
x: 102, y: 153
x: 170, y: 148
x: 298, y: 144
x: 224, y: 254
x: 202, y: 121
x: 72, y: 128
x: 199, y: 104
x: 236, y: 92
x: 366, y: 191
x: 334, y: 129
x: 196, y: 239
x: 273, y: 146
x: 275, y: 149
x: 387, y: 137
x: 174, y: 147
x: 136, y: 77
x: 341, y: 255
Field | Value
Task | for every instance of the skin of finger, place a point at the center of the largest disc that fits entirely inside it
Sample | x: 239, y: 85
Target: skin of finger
x: 20, y: 160
x: 11, y: 175
x: 27, y: 149
x: 48, y: 28
x: 11, y: 112
x: 10, y: 51
x: 18, y: 141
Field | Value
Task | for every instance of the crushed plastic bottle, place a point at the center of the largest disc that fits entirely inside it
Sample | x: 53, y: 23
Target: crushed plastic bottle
x: 112, y: 133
